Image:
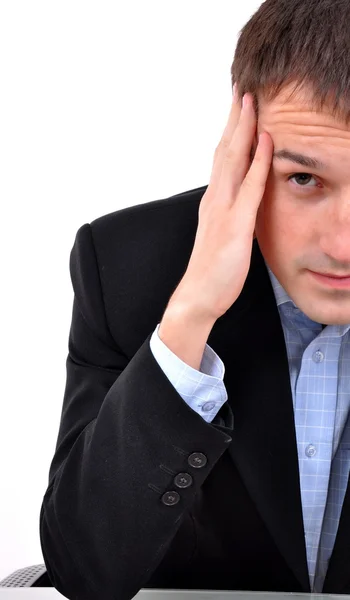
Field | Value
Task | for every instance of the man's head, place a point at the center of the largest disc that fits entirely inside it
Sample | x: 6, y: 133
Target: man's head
x: 303, y: 221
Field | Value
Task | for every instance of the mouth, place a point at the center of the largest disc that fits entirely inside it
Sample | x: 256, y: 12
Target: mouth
x: 332, y: 275
x: 334, y: 281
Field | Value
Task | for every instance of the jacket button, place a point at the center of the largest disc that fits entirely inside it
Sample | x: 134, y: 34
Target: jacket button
x: 197, y: 460
x: 183, y: 480
x: 170, y: 498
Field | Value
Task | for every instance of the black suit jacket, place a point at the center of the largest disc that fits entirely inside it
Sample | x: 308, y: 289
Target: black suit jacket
x: 117, y: 516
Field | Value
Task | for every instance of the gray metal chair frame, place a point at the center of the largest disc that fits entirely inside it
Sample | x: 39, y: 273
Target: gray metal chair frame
x: 34, y: 576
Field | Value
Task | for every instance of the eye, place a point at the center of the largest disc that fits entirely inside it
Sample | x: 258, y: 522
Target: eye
x: 301, y: 176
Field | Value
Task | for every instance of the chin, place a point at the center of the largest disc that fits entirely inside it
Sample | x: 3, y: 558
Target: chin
x: 326, y: 317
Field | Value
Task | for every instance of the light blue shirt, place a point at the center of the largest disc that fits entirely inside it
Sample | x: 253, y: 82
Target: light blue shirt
x: 319, y: 367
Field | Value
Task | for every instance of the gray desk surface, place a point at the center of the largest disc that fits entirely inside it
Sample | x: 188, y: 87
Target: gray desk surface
x: 149, y: 594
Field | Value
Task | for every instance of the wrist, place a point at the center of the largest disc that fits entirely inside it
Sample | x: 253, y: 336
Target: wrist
x: 184, y: 306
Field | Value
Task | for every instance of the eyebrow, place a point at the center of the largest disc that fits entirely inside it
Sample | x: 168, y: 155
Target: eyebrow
x: 300, y: 159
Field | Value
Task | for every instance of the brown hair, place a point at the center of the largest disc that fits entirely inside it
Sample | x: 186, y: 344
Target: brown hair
x: 301, y: 42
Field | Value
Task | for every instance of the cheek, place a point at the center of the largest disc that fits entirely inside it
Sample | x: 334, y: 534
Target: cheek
x: 280, y: 212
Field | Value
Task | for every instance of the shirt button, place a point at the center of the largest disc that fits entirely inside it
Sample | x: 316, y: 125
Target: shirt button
x: 318, y: 356
x: 208, y: 406
x: 310, y: 450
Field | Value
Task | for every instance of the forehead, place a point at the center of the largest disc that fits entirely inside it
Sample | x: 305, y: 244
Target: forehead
x: 294, y: 115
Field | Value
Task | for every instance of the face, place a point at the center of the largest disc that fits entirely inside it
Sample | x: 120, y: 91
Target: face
x: 303, y: 221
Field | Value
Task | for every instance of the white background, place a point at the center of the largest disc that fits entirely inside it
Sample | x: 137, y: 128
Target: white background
x: 103, y: 105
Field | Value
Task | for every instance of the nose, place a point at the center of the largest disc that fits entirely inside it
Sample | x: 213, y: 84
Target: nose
x: 335, y: 238
x: 335, y: 242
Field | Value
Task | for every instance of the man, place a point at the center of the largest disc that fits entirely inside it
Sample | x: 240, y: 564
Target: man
x: 204, y: 438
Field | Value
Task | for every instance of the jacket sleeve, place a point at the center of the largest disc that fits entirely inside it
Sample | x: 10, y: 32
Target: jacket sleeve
x: 107, y: 517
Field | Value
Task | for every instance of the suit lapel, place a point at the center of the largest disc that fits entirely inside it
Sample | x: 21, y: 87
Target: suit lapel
x: 249, y: 339
x: 338, y: 573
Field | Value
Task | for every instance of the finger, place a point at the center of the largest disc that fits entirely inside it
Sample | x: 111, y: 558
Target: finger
x: 236, y: 159
x: 225, y: 140
x: 253, y: 187
x: 233, y: 118
x: 260, y: 167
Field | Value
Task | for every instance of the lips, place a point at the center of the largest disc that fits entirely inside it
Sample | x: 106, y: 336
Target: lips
x: 331, y: 275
